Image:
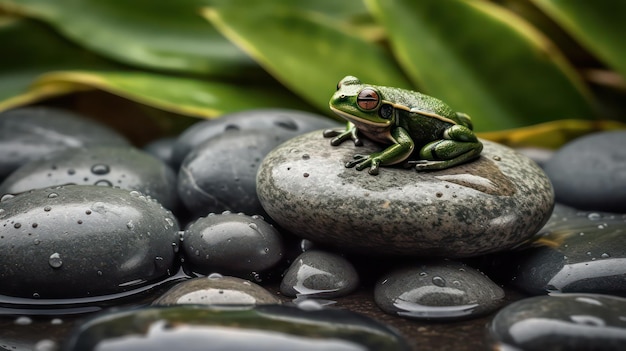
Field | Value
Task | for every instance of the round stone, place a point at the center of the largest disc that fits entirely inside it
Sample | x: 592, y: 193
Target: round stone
x: 233, y: 244
x: 217, y: 290
x: 29, y: 133
x: 589, y: 173
x: 241, y: 328
x: 124, y: 167
x: 576, y: 251
x: 220, y: 174
x: 83, y: 241
x: 483, y: 206
x: 437, y: 291
x: 317, y: 273
x: 283, y: 122
x: 561, y: 322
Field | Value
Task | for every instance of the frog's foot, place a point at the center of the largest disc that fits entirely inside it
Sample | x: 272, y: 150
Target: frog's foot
x: 363, y: 161
x: 442, y: 154
x: 339, y: 135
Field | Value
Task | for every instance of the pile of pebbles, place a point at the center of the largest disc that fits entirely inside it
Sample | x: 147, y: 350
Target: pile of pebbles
x: 206, y: 227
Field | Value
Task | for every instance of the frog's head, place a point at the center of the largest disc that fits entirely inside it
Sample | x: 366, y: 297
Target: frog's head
x: 361, y: 104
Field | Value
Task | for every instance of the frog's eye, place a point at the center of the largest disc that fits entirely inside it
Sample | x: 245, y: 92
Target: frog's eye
x: 368, y: 99
x: 386, y: 111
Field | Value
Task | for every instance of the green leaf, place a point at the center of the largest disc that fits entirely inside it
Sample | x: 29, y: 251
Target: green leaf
x: 30, y: 49
x: 306, y: 52
x: 599, y: 25
x: 180, y: 95
x: 482, y: 60
x: 25, y: 78
x: 164, y: 35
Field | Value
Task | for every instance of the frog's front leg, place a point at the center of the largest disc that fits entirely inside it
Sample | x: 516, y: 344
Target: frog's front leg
x: 399, y: 151
x: 339, y: 135
x: 459, y: 145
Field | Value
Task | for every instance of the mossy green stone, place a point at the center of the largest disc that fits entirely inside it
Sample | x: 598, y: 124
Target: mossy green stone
x: 484, y: 206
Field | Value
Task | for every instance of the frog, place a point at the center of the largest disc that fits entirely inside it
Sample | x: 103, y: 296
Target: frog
x: 421, y: 131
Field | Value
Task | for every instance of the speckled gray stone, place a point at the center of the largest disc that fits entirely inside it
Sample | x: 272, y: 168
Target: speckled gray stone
x: 484, y: 206
x: 217, y: 290
x: 319, y: 274
x: 444, y: 290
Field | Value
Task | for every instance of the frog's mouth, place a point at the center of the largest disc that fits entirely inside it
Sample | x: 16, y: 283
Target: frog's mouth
x: 360, y: 121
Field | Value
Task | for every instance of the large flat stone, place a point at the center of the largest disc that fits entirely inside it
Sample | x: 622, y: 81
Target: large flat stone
x: 487, y: 205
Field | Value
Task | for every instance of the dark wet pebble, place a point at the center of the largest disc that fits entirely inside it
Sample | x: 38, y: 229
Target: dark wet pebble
x: 576, y: 251
x: 322, y: 274
x: 79, y: 241
x: 220, y: 175
x: 442, y: 291
x: 124, y: 167
x: 283, y: 122
x: 561, y: 322
x: 488, y: 205
x: 589, y: 173
x: 266, y: 327
x: 29, y: 133
x: 232, y: 244
x: 163, y: 149
x: 217, y: 290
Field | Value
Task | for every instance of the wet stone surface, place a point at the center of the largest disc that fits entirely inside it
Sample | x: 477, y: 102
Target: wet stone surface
x: 577, y: 251
x: 484, y: 206
x: 79, y: 240
x: 283, y: 122
x: 232, y: 244
x: 322, y: 274
x: 124, y: 167
x: 441, y: 291
x: 220, y: 174
x: 562, y: 322
x: 267, y: 327
x: 31, y: 132
x: 589, y: 173
x: 217, y: 290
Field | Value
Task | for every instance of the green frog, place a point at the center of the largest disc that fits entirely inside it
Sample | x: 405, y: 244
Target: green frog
x: 405, y: 119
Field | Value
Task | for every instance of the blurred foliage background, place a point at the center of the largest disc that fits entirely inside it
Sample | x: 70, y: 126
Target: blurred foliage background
x: 528, y: 72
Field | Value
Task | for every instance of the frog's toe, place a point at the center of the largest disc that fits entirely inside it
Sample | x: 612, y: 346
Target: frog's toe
x: 329, y: 133
x: 426, y: 165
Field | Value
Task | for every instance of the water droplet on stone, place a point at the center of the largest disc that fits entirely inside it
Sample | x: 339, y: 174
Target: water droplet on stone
x: 100, y: 169
x: 605, y: 255
x: 88, y: 212
x: 53, y: 195
x: 439, y: 281
x: 71, y: 171
x: 45, y: 345
x: 423, y: 274
x: 6, y: 197
x: 130, y: 225
x: 215, y: 276
x: 594, y: 216
x: 23, y: 320
x: 305, y: 175
x: 47, y: 208
x: 253, y: 226
x: 56, y: 321
x: 55, y: 260
x: 169, y: 221
x: 35, y: 225
x: 309, y: 305
x: 103, y: 182
x: 17, y: 225
x: 306, y: 156
x: 35, y: 295
x: 37, y: 241
x: 135, y: 193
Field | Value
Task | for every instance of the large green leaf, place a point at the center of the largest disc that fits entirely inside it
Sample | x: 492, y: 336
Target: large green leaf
x: 599, y: 25
x: 483, y: 60
x: 30, y: 51
x: 303, y: 50
x: 166, y: 35
x: 181, y: 95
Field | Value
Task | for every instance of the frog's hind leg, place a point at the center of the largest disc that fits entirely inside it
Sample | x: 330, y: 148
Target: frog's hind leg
x: 442, y: 154
x: 465, y: 120
x: 458, y: 146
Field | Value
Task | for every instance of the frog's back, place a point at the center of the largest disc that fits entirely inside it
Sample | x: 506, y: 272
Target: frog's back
x: 420, y: 102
